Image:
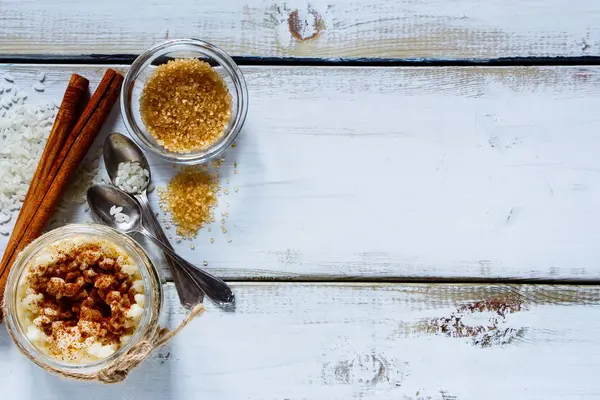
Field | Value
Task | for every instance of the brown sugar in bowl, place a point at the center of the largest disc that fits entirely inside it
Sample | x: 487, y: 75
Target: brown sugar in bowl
x: 185, y: 105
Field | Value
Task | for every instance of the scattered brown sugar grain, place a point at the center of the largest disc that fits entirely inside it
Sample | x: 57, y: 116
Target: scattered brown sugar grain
x: 190, y: 197
x: 185, y: 105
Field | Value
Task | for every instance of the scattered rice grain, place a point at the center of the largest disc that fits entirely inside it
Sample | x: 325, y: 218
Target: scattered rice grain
x: 23, y: 134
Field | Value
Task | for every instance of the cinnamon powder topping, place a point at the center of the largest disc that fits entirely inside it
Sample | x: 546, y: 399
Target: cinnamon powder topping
x: 87, y: 298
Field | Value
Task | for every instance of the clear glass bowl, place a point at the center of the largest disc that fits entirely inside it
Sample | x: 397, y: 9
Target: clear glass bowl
x: 142, y: 68
x: 152, y: 292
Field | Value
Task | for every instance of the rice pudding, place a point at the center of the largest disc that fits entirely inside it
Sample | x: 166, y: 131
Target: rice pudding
x: 80, y: 299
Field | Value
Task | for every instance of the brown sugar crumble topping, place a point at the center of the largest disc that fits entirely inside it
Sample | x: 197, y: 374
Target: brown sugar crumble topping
x: 88, y: 298
x: 185, y: 105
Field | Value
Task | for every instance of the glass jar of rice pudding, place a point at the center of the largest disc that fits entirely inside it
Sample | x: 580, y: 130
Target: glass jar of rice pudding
x: 80, y: 297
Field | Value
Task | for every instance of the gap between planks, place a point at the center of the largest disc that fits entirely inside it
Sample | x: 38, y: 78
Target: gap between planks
x: 401, y: 280
x: 127, y: 59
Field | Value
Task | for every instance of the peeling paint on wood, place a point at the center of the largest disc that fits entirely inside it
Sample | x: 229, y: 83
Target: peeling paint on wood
x: 305, y: 24
x: 491, y: 330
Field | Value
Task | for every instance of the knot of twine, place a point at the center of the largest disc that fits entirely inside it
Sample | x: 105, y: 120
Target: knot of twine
x: 118, y: 370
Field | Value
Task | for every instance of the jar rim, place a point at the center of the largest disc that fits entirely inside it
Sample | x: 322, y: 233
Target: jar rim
x: 207, y: 50
x: 152, y: 292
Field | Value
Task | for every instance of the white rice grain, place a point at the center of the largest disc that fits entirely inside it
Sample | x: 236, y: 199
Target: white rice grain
x: 114, y: 210
x: 132, y: 178
x: 23, y: 134
x: 122, y: 218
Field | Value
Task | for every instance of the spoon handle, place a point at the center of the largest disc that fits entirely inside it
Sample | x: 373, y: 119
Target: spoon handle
x: 189, y: 291
x: 214, y: 287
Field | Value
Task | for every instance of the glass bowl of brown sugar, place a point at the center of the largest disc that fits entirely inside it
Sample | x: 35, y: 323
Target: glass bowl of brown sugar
x: 184, y: 100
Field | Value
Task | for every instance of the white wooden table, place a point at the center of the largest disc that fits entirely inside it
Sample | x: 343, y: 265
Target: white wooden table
x: 418, y: 196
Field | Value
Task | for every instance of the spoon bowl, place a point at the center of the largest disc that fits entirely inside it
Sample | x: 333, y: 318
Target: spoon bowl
x: 119, y: 148
x: 102, y: 198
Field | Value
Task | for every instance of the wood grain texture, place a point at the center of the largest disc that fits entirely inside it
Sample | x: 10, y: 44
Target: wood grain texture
x: 400, y: 173
x: 361, y: 341
x: 439, y: 29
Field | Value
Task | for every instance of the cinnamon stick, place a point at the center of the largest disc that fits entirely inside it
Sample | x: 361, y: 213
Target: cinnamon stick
x: 69, y: 112
x: 51, y: 188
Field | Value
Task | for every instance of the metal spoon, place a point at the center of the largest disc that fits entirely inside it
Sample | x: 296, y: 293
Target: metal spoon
x: 117, y: 149
x: 102, y: 197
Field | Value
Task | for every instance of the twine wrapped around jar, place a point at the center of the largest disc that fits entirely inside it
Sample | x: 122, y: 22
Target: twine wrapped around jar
x: 118, y: 370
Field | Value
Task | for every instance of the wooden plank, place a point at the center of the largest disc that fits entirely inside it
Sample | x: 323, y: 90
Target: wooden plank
x: 362, y: 341
x: 401, y: 172
x: 461, y: 29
